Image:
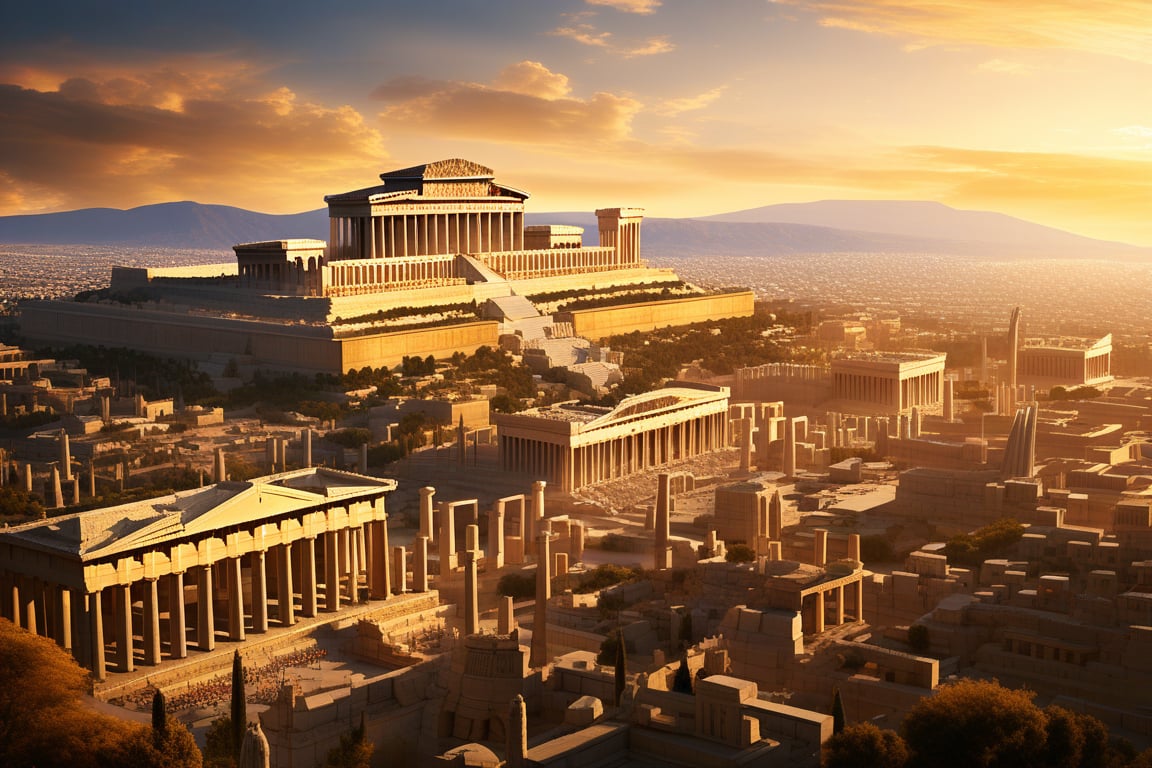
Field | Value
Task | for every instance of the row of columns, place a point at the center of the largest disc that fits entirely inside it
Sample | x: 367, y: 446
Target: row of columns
x: 552, y: 262
x: 121, y: 622
x: 343, y: 278
x: 423, y: 234
x: 613, y: 458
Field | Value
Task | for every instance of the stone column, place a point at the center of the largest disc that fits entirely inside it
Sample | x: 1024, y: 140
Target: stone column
x: 949, y: 409
x: 539, y: 654
x: 378, y: 576
x: 775, y: 516
x: 517, y: 734
x: 789, y: 461
x: 151, y: 630
x: 505, y: 616
x: 205, y: 616
x: 399, y: 570
x: 65, y: 456
x: 854, y: 547
x: 235, y: 600
x: 576, y: 546
x: 537, y: 505
x: 177, y: 637
x: 840, y: 605
x: 495, y: 550
x: 331, y: 571
x: 96, y: 633
x: 663, y: 554
x: 745, y: 445
x: 426, y: 527
x: 420, y: 564
x: 471, y: 598
x: 818, y: 613
x: 259, y: 591
x: 820, y: 553
x: 306, y: 438
x: 122, y: 620
x: 285, y: 593
x: 447, y: 542
x: 308, y: 598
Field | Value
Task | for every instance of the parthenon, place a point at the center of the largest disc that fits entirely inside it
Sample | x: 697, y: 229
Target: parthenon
x: 891, y: 381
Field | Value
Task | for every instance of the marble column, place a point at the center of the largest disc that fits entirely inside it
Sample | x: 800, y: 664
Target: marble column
x: 378, y: 576
x: 399, y: 570
x: 308, y: 598
x: 151, y: 627
x: 420, y: 564
x: 235, y: 600
x: 177, y: 638
x: 285, y: 594
x: 447, y: 542
x: 94, y: 604
x: 205, y: 615
x: 539, y: 652
x: 495, y: 550
x: 257, y: 562
x: 331, y: 571
x: 122, y: 620
x: 663, y: 552
x: 471, y: 597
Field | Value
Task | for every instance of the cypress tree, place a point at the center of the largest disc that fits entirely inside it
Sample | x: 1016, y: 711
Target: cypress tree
x: 621, y: 666
x: 682, y: 681
x: 838, y: 719
x: 239, y: 705
x: 159, y: 715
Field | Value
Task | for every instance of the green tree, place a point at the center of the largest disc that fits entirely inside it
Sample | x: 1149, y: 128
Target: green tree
x: 973, y: 723
x: 863, y: 745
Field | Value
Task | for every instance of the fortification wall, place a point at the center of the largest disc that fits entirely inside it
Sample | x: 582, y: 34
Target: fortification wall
x: 607, y: 321
x: 390, y: 348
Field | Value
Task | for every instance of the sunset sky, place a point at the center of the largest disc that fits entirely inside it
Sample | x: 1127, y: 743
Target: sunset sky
x: 1040, y: 109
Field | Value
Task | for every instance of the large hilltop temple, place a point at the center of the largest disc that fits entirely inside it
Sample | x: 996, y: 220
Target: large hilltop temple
x: 418, y: 264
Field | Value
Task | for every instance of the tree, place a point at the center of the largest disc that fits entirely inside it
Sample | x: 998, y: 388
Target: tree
x: 159, y: 715
x: 621, y: 668
x: 218, y: 744
x: 355, y: 751
x: 864, y: 745
x: 239, y: 708
x: 44, y: 722
x: 682, y: 680
x: 740, y: 553
x: 918, y: 638
x: 838, y: 717
x: 976, y: 723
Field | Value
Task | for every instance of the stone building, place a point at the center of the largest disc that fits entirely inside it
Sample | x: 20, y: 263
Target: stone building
x: 1066, y: 362
x: 890, y: 381
x: 444, y: 237
x: 132, y: 584
x: 574, y: 445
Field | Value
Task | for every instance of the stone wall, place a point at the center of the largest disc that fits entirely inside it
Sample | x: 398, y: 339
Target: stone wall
x: 607, y: 321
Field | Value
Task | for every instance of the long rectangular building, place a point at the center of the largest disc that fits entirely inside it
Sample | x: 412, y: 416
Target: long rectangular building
x: 575, y: 445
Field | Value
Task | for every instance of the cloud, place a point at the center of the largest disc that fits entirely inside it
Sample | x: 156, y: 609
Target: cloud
x: 652, y: 47
x: 1005, y: 67
x: 1109, y: 27
x: 1137, y: 131
x: 691, y: 103
x: 128, y: 141
x: 527, y: 103
x: 532, y: 78
x: 629, y: 6
x: 585, y: 34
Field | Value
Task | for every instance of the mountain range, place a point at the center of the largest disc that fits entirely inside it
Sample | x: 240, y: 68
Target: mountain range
x: 830, y: 226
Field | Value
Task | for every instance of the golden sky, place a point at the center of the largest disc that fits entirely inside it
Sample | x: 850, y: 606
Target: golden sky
x: 1040, y: 109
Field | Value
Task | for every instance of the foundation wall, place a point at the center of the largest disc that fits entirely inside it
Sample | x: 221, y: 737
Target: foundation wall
x: 607, y: 321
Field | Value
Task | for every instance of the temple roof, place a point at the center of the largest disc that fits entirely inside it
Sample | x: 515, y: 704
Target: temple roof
x: 454, y: 169
x: 443, y: 179
x: 101, y: 532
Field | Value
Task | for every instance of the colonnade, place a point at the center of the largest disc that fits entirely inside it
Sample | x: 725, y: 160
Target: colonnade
x: 615, y: 456
x: 552, y: 262
x: 1075, y: 368
x: 422, y: 230
x: 343, y: 278
x: 816, y: 605
x: 895, y: 391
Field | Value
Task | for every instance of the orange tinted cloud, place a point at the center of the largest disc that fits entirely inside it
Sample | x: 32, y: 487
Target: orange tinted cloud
x: 629, y: 6
x: 526, y: 104
x: 1110, y: 27
x: 129, y: 141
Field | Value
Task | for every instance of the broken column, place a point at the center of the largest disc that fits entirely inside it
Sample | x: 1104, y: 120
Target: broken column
x: 539, y: 655
x: 399, y: 570
x: 789, y: 463
x: 426, y: 527
x: 420, y: 564
x: 505, y: 616
x: 65, y: 457
x: 447, y: 539
x: 495, y: 549
x: 517, y: 734
x: 663, y: 501
x: 471, y: 598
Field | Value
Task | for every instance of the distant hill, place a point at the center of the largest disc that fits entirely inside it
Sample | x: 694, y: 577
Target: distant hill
x: 860, y: 226
x: 168, y: 225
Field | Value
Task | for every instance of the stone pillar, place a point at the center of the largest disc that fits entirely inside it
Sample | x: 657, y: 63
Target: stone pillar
x: 151, y: 627
x: 663, y: 503
x: 562, y: 567
x: 258, y: 563
x: 177, y: 637
x: 205, y: 615
x: 426, y: 527
x: 285, y: 593
x: 95, y: 612
x: 122, y: 620
x: 448, y: 557
x: 235, y: 600
x: 306, y: 439
x: 65, y: 456
x: 471, y: 597
x: 949, y: 408
x: 576, y: 541
x: 331, y: 571
x: 840, y: 605
x: 308, y: 598
x: 539, y: 654
x: 364, y: 459
x: 537, y: 507
x: 517, y: 734
x: 789, y: 462
x: 399, y: 570
x: 854, y: 547
x: 495, y: 549
x: 745, y: 445
x: 26, y: 477
x: 378, y: 576
x: 57, y: 493
x: 420, y: 564
x: 775, y: 516
x: 472, y: 538
x: 818, y: 613
x: 858, y: 589
x: 219, y: 467
x: 820, y: 553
